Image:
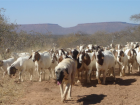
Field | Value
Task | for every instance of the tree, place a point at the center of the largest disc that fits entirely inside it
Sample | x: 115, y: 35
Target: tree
x: 135, y: 17
x: 6, y: 32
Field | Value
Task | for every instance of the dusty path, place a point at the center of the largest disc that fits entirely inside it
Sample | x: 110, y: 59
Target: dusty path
x: 125, y: 91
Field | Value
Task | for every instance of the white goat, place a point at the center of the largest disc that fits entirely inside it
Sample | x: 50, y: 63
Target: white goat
x: 87, y: 60
x: 104, y: 61
x: 118, y: 46
x: 131, y: 55
x: 17, y: 55
x: 22, y: 64
x: 89, y: 48
x: 122, y: 60
x: 5, y: 63
x: 138, y: 60
x: 42, y: 62
x: 81, y: 48
x: 112, y: 46
x: 54, y: 63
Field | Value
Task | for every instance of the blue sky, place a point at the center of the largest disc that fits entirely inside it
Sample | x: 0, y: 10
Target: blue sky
x: 69, y: 13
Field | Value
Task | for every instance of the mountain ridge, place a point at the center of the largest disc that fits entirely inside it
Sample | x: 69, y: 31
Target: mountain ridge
x: 87, y: 28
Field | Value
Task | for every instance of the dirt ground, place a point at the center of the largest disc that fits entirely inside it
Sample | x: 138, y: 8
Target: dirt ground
x: 124, y: 91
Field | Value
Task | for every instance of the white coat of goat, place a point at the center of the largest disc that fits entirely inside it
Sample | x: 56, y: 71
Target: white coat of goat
x: 131, y: 55
x: 122, y: 60
x: 5, y: 63
x: 104, y: 61
x: 22, y: 64
x: 54, y: 63
x: 88, y: 61
x: 42, y: 62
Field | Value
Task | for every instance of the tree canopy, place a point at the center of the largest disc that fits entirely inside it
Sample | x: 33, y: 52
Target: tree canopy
x: 135, y: 17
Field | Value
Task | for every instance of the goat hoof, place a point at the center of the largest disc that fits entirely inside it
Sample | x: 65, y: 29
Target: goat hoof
x: 69, y: 98
x: 62, y: 100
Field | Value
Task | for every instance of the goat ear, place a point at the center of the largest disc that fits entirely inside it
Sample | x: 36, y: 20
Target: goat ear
x: 86, y: 56
x: 123, y: 54
x: 30, y: 57
x: 129, y: 53
x: 134, y: 52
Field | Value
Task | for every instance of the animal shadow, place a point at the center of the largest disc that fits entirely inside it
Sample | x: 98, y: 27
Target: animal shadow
x: 122, y: 82
x: 92, y: 83
x: 125, y: 82
x: 133, y: 74
x: 91, y: 99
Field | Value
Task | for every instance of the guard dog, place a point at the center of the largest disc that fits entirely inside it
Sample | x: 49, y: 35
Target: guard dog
x: 65, y: 74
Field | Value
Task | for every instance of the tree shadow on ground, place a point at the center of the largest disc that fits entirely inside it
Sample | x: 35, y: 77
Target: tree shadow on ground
x: 91, y: 99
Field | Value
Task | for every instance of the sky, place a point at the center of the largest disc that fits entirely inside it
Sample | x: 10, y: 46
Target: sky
x: 69, y: 13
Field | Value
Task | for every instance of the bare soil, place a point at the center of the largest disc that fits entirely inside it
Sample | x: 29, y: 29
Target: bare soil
x: 124, y: 91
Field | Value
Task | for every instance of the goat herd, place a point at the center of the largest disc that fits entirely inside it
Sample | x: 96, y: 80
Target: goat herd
x: 67, y: 64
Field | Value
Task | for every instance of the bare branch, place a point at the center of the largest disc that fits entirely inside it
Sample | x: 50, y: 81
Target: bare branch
x: 135, y: 17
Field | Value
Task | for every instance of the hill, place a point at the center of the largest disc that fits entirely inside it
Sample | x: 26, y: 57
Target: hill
x: 87, y: 28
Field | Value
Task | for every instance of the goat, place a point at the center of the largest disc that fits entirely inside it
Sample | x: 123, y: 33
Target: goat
x: 17, y: 55
x: 5, y: 63
x: 42, y: 62
x: 104, y: 61
x: 54, y: 63
x: 131, y: 55
x: 87, y: 60
x: 118, y: 46
x: 21, y: 64
x: 89, y: 48
x: 122, y: 60
x: 61, y: 54
x: 81, y: 48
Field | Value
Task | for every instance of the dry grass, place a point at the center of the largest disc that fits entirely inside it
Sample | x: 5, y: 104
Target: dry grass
x: 11, y: 90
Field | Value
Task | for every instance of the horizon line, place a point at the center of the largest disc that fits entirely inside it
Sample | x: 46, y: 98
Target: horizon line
x: 77, y: 24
